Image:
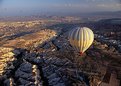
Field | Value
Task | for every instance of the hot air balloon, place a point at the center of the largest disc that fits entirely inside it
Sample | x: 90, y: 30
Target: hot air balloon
x: 81, y: 38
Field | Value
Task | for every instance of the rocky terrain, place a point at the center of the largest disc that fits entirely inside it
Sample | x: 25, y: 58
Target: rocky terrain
x: 45, y: 58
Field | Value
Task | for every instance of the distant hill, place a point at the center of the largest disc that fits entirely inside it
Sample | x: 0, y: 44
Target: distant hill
x: 115, y: 13
x: 116, y: 21
x: 102, y: 15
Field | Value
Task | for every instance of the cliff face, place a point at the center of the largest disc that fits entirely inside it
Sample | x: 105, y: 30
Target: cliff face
x: 25, y: 42
x: 5, y: 56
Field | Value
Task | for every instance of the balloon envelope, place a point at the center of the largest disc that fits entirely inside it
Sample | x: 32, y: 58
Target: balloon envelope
x: 81, y: 38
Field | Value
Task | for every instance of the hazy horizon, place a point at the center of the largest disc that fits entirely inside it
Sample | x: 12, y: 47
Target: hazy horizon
x: 34, y: 7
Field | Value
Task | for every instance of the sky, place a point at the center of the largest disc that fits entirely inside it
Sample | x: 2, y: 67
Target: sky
x: 33, y: 7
